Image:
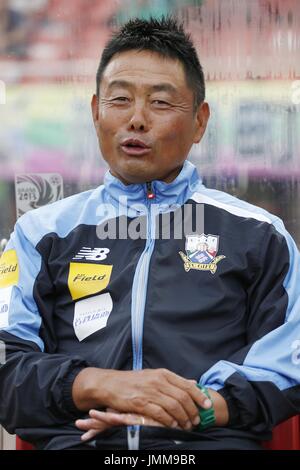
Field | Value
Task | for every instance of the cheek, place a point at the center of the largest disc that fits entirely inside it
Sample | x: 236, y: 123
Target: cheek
x: 109, y: 120
x: 105, y: 136
x: 106, y: 129
x: 175, y: 131
x: 106, y: 112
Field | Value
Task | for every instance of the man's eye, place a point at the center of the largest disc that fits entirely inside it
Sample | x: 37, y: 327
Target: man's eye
x: 121, y: 98
x: 160, y: 102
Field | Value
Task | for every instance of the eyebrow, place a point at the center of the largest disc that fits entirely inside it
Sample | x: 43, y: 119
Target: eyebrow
x: 158, y: 87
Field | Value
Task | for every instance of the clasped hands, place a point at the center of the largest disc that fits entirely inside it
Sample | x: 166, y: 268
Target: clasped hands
x: 149, y: 397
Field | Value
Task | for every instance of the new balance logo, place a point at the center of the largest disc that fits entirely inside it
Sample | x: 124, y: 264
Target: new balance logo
x: 92, y: 254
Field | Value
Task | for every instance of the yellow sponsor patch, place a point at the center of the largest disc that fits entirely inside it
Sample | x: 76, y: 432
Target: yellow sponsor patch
x: 9, y: 269
x: 86, y: 279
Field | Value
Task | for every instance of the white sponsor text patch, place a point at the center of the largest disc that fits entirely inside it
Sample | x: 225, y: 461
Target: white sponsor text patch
x: 91, y: 315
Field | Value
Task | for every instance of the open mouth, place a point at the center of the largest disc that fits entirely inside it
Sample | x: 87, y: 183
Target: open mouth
x: 135, y: 147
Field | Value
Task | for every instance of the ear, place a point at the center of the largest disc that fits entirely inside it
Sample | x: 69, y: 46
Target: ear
x: 95, y: 109
x: 201, y: 119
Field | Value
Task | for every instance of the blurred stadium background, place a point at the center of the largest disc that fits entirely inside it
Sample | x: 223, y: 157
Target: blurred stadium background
x: 250, y: 52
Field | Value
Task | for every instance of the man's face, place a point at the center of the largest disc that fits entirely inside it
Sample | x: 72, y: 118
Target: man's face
x: 145, y: 119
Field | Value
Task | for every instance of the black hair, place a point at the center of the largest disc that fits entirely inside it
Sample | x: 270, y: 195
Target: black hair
x: 164, y: 35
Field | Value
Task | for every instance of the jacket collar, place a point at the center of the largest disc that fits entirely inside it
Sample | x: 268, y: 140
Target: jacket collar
x: 176, y: 192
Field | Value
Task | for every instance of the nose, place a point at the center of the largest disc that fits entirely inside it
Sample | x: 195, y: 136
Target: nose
x: 138, y: 120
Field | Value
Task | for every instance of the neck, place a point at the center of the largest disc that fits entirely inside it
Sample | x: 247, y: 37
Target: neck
x: 166, y: 179
x: 176, y: 189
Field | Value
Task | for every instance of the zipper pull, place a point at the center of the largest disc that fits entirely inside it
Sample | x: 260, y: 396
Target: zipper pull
x: 150, y: 193
x: 133, y: 437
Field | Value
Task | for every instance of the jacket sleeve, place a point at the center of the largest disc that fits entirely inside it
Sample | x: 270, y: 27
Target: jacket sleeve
x: 261, y: 382
x: 35, y: 386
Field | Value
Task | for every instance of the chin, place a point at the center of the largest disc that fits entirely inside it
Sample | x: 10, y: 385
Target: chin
x: 136, y: 179
x: 133, y: 175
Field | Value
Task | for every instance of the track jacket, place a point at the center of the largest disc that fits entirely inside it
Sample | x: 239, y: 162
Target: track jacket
x: 220, y: 304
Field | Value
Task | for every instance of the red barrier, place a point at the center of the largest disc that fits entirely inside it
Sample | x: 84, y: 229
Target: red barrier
x: 22, y: 445
x: 286, y: 436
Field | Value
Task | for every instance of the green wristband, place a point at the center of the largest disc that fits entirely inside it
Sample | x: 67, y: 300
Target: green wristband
x: 207, y: 416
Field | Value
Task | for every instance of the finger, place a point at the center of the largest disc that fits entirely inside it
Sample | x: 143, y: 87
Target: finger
x: 112, y: 410
x: 182, y: 407
x: 97, y: 417
x: 151, y: 422
x: 172, y: 405
x: 89, y: 435
x: 86, y: 424
x: 176, y: 400
x: 135, y: 419
x: 100, y: 425
x: 142, y: 420
x: 130, y: 419
x: 158, y: 414
x: 167, y: 403
x: 187, y: 385
x: 126, y: 419
x: 200, y: 398
x: 108, y: 417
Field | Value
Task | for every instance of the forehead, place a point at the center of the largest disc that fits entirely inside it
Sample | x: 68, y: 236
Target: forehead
x: 145, y: 68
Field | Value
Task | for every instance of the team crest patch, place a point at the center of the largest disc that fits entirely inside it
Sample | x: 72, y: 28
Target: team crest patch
x: 201, y: 253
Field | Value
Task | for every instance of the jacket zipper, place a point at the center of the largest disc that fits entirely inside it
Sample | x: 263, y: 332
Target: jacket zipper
x: 138, y: 306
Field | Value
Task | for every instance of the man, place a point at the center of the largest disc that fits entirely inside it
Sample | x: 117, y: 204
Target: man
x: 109, y: 332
